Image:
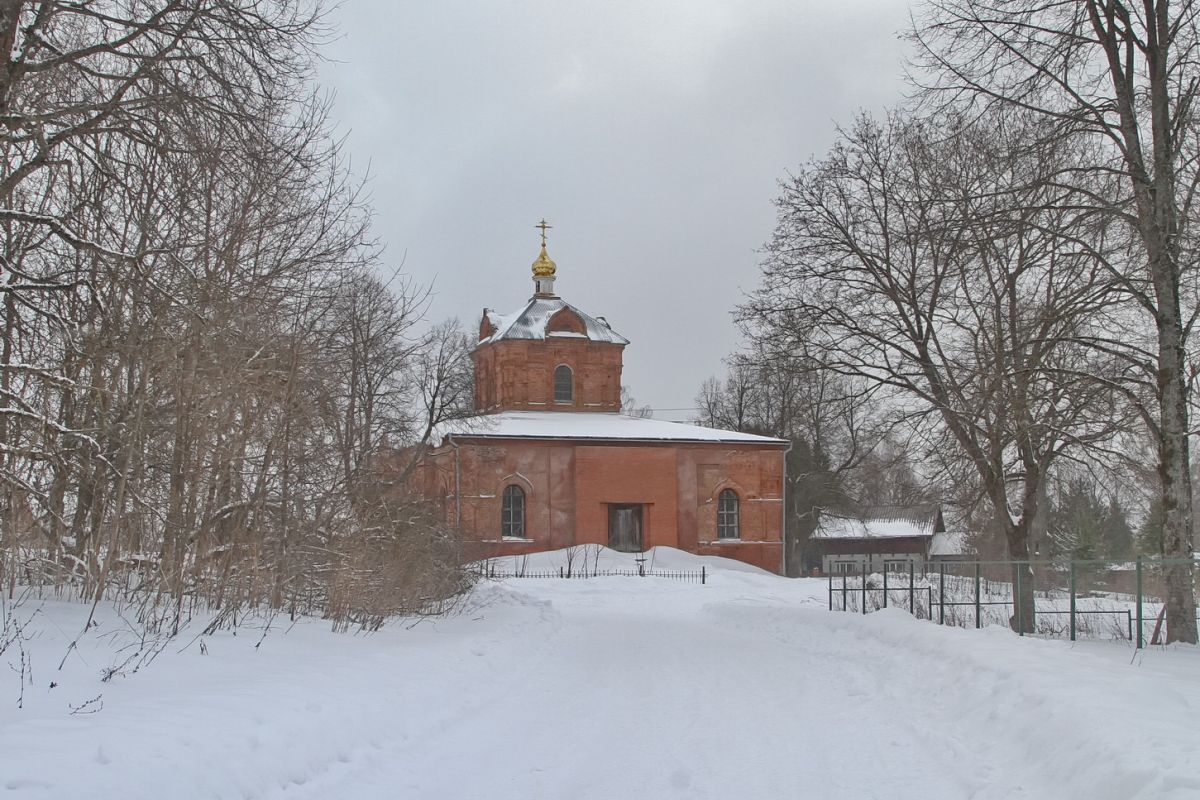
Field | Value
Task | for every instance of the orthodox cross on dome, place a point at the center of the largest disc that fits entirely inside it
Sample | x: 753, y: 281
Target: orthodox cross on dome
x: 544, y: 267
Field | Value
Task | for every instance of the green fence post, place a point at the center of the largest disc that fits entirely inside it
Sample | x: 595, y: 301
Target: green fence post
x: 885, y: 572
x: 864, y: 589
x: 941, y: 594
x: 1072, y: 600
x: 1138, y: 571
x: 830, y: 591
x: 1017, y: 601
x: 978, y: 620
x: 912, y: 602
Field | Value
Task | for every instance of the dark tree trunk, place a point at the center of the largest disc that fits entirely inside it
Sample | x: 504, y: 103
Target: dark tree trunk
x: 1024, y: 616
x: 1175, y: 477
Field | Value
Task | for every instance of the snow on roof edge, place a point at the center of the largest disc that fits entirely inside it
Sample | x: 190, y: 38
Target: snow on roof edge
x: 866, y: 526
x: 594, y: 426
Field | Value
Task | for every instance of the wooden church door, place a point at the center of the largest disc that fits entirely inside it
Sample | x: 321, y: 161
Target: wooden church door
x: 625, y: 528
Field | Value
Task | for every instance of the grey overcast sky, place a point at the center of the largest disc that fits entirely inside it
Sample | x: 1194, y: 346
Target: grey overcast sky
x: 651, y: 134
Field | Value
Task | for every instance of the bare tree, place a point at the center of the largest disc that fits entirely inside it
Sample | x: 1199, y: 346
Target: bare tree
x: 197, y: 355
x: 773, y: 389
x: 444, y: 377
x: 1122, y: 78
x: 630, y: 407
x: 929, y: 268
x: 373, y: 346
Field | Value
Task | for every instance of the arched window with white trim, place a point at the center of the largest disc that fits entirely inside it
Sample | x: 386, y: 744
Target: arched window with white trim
x: 729, y: 523
x: 512, y: 513
x: 564, y: 390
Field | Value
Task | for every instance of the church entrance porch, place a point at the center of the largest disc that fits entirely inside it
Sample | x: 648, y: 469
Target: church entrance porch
x: 625, y: 527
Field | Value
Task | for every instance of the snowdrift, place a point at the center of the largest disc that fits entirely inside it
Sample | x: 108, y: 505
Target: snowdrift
x: 594, y: 557
x: 616, y: 687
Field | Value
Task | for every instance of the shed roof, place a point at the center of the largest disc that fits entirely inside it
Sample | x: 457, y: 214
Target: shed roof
x: 881, y: 522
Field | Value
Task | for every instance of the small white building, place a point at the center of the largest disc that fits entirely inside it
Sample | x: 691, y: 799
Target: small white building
x: 948, y: 546
x: 878, y: 539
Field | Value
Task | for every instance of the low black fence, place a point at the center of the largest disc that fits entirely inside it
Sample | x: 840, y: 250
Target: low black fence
x: 688, y: 576
x: 1070, y: 599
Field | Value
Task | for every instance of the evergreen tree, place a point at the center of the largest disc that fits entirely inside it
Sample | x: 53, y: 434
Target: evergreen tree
x: 812, y: 486
x: 1077, y: 521
x: 1150, y: 537
x: 1116, y: 536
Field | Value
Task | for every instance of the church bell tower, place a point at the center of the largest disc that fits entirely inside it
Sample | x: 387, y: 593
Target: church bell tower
x: 548, y: 355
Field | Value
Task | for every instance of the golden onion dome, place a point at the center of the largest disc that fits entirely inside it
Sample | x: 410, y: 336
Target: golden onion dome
x: 544, y: 267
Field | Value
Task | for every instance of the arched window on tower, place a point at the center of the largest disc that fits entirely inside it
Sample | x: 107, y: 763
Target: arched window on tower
x: 512, y: 513
x: 728, y: 515
x: 563, y: 389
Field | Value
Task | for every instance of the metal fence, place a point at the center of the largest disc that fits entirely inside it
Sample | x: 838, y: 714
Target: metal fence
x: 1071, y: 599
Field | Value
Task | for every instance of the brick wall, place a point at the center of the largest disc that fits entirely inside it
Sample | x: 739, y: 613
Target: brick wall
x: 569, y: 486
x: 626, y: 474
x: 518, y: 375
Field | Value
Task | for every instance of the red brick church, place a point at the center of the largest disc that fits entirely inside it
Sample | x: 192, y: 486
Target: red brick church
x: 550, y: 461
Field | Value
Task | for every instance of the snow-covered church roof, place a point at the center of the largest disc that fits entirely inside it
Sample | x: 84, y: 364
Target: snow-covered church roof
x: 532, y: 321
x: 587, y: 425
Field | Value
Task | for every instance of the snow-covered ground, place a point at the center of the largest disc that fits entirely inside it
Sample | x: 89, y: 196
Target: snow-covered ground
x: 746, y: 687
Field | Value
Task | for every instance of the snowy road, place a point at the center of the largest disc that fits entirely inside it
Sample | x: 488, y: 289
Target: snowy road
x: 618, y: 688
x: 618, y: 700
